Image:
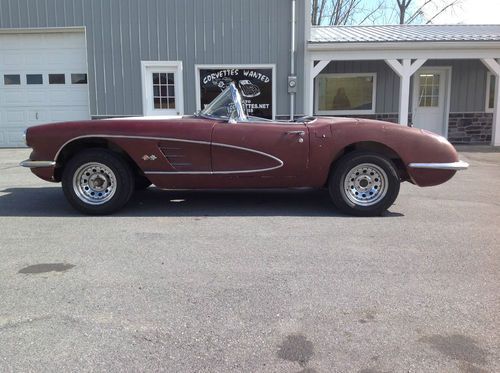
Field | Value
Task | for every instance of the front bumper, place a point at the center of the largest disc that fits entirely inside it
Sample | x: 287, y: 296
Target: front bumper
x: 37, y: 164
x: 454, y: 166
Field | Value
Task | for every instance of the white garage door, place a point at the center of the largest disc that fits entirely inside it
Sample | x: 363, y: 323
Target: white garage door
x: 43, y: 79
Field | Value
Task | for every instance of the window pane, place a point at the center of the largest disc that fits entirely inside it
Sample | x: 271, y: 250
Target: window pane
x: 491, y: 103
x: 429, y: 90
x: 157, y: 103
x: 345, y: 93
x: 34, y: 79
x: 12, y: 79
x: 78, y: 78
x: 57, y: 79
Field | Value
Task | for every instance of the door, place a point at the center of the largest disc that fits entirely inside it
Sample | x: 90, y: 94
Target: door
x: 162, y: 88
x: 43, y: 79
x: 260, y: 154
x: 430, y: 100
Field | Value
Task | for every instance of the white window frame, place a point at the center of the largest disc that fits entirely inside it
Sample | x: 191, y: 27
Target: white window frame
x: 197, y: 69
x: 179, y: 83
x: 345, y: 112
x: 488, y: 83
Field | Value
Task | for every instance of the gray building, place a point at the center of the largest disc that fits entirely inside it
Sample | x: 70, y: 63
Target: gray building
x: 79, y: 59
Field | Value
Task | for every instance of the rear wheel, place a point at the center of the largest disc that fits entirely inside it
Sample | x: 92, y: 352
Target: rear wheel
x: 97, y: 182
x: 364, y: 184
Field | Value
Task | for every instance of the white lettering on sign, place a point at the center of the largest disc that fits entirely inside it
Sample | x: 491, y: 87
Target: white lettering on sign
x: 220, y: 74
x: 256, y: 75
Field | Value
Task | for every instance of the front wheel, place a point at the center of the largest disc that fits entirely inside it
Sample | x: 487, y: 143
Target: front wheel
x: 364, y: 184
x: 97, y: 182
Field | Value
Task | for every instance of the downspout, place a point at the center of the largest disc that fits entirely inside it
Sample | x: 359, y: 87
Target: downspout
x: 292, y: 59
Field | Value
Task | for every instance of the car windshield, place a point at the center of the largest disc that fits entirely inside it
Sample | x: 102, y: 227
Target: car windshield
x: 227, y: 106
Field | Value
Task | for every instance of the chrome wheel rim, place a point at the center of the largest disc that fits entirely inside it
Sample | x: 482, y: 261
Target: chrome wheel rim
x: 94, y: 183
x: 366, y: 184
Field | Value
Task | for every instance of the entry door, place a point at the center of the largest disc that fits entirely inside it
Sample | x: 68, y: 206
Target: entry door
x: 162, y: 89
x: 261, y: 154
x: 430, y: 100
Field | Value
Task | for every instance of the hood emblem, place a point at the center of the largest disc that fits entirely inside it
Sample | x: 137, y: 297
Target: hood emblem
x: 151, y: 157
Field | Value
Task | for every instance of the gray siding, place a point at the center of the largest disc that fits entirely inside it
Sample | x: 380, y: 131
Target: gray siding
x: 468, y: 83
x: 122, y: 33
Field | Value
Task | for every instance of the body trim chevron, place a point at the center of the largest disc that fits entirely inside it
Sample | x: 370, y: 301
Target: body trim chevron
x: 280, y: 162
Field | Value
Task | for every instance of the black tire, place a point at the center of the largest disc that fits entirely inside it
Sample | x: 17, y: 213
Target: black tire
x: 112, y: 172
x: 141, y: 182
x: 363, y: 184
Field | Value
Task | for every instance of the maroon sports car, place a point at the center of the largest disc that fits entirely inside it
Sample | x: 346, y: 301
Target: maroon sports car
x: 362, y: 162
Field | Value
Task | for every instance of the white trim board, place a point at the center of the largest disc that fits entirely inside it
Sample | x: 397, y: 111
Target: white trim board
x: 197, y: 69
x: 487, y: 109
x: 179, y: 84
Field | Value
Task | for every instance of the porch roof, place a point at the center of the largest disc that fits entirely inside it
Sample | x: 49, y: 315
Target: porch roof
x: 403, y: 33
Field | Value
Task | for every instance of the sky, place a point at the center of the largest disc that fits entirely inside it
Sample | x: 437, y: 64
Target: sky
x: 472, y: 12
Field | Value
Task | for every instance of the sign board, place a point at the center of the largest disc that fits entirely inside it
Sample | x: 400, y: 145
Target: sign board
x: 256, y: 85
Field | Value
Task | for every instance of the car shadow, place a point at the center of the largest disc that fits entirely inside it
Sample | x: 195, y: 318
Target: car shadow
x: 50, y: 202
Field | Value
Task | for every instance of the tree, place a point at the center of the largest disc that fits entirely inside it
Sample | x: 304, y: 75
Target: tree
x: 342, y: 12
x: 359, y: 12
x: 426, y: 10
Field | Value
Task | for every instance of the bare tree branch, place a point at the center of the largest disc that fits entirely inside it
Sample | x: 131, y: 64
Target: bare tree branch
x: 452, y: 4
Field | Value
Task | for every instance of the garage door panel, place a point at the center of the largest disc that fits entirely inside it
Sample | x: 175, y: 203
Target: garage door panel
x: 26, y: 105
x: 13, y: 60
x: 66, y: 97
x: 63, y: 115
x: 13, y: 118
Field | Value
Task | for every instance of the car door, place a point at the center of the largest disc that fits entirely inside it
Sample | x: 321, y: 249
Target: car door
x: 260, y: 154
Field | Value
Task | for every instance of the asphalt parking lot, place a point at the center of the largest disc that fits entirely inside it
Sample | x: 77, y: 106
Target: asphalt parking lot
x: 251, y: 281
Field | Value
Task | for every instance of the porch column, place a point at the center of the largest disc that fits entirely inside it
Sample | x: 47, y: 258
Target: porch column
x: 494, y: 66
x: 311, y: 73
x: 405, y: 70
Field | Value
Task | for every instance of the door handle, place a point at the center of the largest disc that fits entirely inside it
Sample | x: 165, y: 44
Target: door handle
x: 300, y: 133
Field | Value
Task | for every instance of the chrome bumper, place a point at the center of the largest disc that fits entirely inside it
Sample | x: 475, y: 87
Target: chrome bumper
x: 455, y: 166
x: 37, y: 164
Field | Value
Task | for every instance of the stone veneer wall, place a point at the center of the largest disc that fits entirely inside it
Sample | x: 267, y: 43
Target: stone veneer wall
x: 463, y: 128
x: 470, y: 128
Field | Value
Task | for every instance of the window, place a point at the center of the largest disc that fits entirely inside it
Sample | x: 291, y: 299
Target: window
x: 12, y: 79
x: 428, y: 94
x: 57, y: 79
x: 164, y: 90
x: 345, y: 94
x: 34, y: 79
x: 490, y: 93
x: 78, y: 78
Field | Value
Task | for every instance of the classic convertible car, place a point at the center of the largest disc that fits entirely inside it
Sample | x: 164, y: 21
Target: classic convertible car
x: 362, y: 162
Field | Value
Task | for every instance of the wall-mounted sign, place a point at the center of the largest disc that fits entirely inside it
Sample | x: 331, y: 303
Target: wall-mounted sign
x: 255, y: 84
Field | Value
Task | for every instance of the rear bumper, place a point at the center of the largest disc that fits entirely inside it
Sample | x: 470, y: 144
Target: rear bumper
x: 37, y: 164
x: 455, y: 166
